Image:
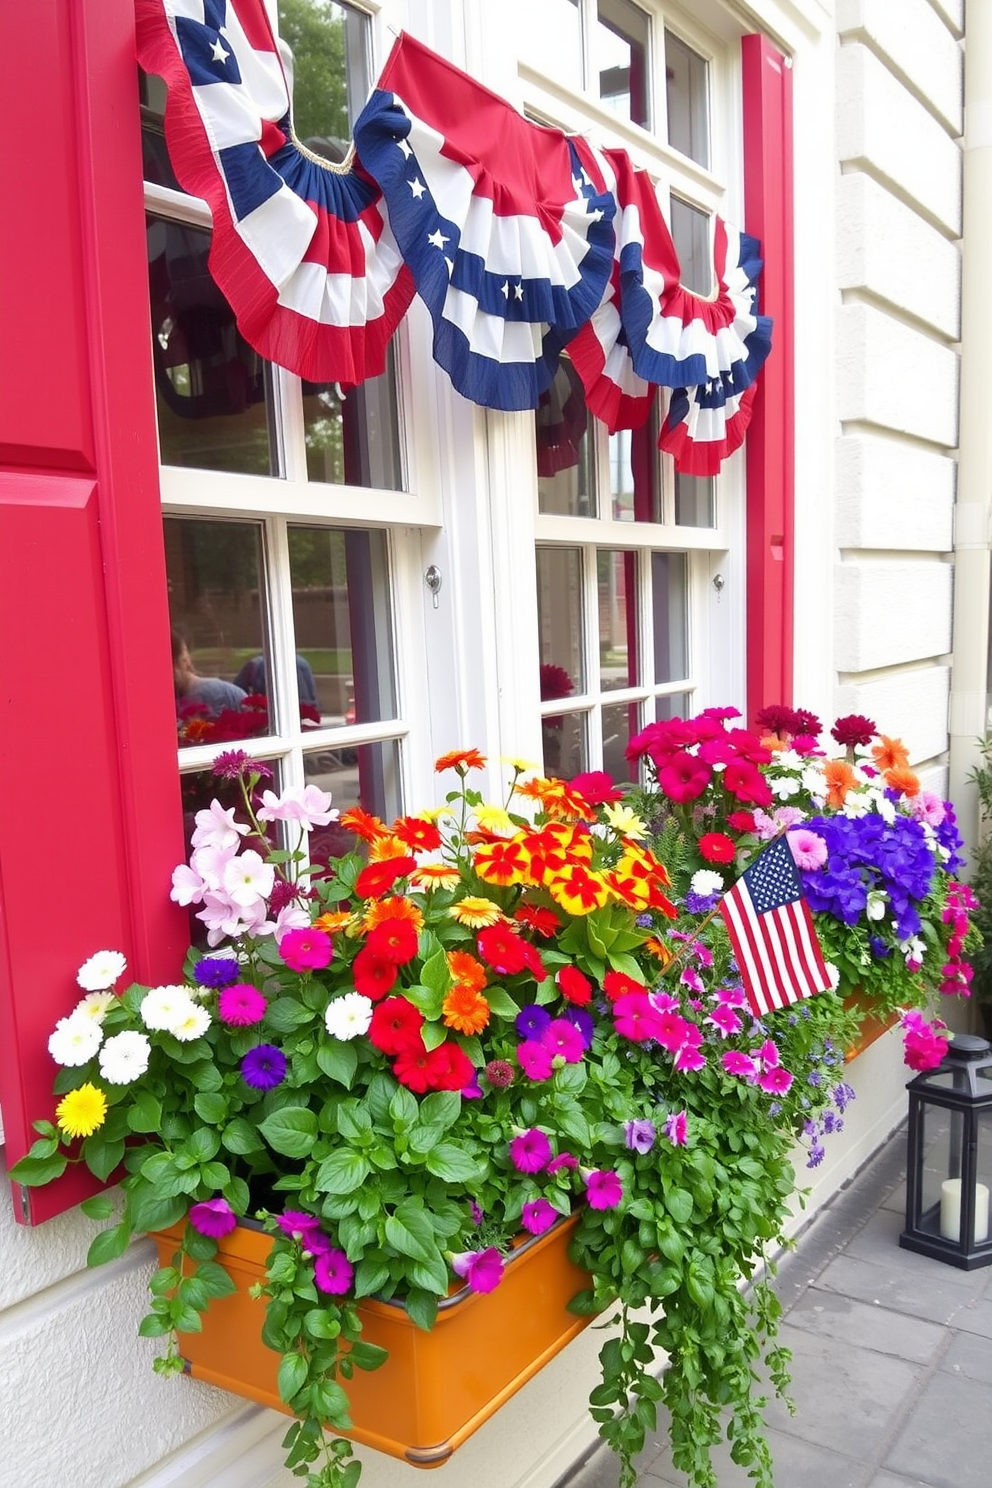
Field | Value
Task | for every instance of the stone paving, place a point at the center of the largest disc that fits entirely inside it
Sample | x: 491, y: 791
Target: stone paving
x: 892, y: 1359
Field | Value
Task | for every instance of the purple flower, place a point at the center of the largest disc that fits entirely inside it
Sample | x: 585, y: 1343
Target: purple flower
x: 482, y: 1269
x: 234, y: 764
x: 264, y: 1067
x: 583, y: 1021
x: 700, y: 903
x: 333, y: 1272
x: 531, y: 1021
x: 530, y: 1152
x: 603, y: 1189
x: 639, y: 1135
x: 843, y: 1094
x: 563, y: 1160
x: 216, y: 971
x: 538, y: 1216
x: 213, y: 1217
x: 562, y: 1039
x: 677, y: 1128
x: 240, y: 1006
x: 298, y: 1225
x: 478, y: 1215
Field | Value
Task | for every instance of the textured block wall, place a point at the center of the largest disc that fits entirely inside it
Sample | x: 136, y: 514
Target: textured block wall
x: 899, y: 117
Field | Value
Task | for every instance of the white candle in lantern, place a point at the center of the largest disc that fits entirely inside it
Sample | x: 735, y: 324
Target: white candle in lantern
x: 950, y: 1210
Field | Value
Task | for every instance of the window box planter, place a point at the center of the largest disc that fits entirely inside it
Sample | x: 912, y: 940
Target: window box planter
x: 873, y: 1024
x: 436, y: 1388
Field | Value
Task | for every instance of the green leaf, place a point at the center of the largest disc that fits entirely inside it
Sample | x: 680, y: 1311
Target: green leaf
x: 153, y: 1325
x: 441, y: 1108
x: 371, y: 1274
x: 241, y: 1138
x: 215, y: 1279
x: 343, y: 1172
x: 287, y: 1014
x: 145, y: 1112
x: 411, y: 1233
x: 403, y: 1110
x: 152, y: 1211
x: 678, y: 1202
x: 501, y: 1003
x: 354, y: 1121
x: 34, y: 1171
x: 290, y: 1131
x: 203, y: 1144
x: 422, y: 1307
x: 429, y: 1003
x: 108, y: 1245
x: 210, y: 1107
x: 435, y: 973
x: 98, y: 1206
x: 451, y: 1163
x: 292, y: 1376
x: 625, y: 964
x: 368, y: 1356
x: 339, y: 1060
x: 102, y: 1156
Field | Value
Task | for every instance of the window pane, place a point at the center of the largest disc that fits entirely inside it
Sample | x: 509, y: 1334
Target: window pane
x: 669, y: 600
x: 635, y: 484
x: 366, y: 775
x: 565, y: 748
x: 559, y: 621
x: 554, y: 39
x: 217, y: 608
x: 691, y: 235
x: 354, y: 439
x: 619, y: 58
x: 156, y: 166
x: 686, y: 88
x: 619, y: 722
x: 565, y: 480
x: 329, y: 43
x: 694, y: 504
x: 673, y: 705
x: 342, y: 622
x: 615, y: 575
x: 211, y: 389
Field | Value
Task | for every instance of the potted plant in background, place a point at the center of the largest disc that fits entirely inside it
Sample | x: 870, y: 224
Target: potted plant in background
x: 485, y: 1022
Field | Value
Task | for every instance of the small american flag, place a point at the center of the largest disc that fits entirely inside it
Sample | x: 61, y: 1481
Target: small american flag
x: 771, y: 930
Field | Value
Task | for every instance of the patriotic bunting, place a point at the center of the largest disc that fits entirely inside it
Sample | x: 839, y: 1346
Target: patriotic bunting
x: 520, y: 240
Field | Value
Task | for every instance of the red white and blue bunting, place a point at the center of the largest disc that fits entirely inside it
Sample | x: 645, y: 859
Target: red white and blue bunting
x: 521, y: 240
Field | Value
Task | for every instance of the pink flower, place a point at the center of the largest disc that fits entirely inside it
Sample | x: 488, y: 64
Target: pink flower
x: 808, y: 850
x: 298, y: 1225
x: 924, y: 1044
x: 736, y: 1063
x: 689, y: 1055
x: 928, y: 807
x: 684, y: 777
x: 725, y: 1020
x: 767, y: 1056
x: 241, y: 1005
x: 775, y: 1081
x: 535, y: 1060
x: 563, y: 1160
x: 530, y: 1152
x: 673, y: 1031
x: 306, y: 950
x: 538, y: 1216
x: 677, y: 1128
x: 563, y: 1038
x: 745, y: 781
x: 603, y: 1189
x: 307, y: 805
x: 213, y: 1217
x: 333, y: 1272
x: 482, y: 1269
x: 635, y: 1018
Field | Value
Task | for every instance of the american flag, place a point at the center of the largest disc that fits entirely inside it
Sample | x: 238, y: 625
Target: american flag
x: 771, y: 930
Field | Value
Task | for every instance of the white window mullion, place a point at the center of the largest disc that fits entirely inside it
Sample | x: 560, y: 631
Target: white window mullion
x: 284, y: 694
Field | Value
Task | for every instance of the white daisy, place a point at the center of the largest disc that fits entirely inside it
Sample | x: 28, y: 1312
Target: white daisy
x: 75, y: 1040
x: 192, y: 1026
x: 349, y: 1016
x: 124, y: 1058
x: 100, y: 971
x: 94, y: 1005
x: 165, y: 1007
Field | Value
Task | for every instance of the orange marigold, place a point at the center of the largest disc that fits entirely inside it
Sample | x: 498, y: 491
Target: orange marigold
x: 362, y: 823
x: 902, y: 779
x: 889, y: 754
x: 465, y: 1009
x: 840, y: 780
x: 460, y: 760
x: 435, y: 876
x: 656, y: 948
x: 387, y: 846
x: 399, y: 907
x: 466, y: 971
x: 333, y: 921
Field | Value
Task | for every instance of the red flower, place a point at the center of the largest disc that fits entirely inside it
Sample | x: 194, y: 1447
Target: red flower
x: 741, y: 821
x: 378, y: 878
x: 717, y: 848
x: 395, y: 1026
x: 617, y: 984
x: 393, y: 940
x: 373, y: 975
x: 542, y: 921
x: 853, y: 728
x: 685, y: 777
x: 779, y: 719
x: 573, y: 986
x: 412, y: 1067
x: 449, y: 1068
x: 597, y: 787
x: 745, y: 781
x: 415, y: 833
x: 502, y: 949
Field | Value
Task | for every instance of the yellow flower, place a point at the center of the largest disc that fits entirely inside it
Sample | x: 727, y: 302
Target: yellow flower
x: 335, y: 920
x: 625, y: 822
x: 476, y: 912
x: 495, y: 819
x: 435, y: 876
x: 82, y: 1111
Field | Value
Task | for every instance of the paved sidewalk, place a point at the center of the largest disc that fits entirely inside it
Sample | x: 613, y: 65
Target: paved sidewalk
x: 892, y: 1359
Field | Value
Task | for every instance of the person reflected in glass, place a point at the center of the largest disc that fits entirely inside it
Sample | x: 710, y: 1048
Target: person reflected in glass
x: 211, y: 694
x: 252, y: 678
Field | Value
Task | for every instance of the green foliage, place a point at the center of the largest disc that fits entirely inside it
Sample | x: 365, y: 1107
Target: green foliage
x: 981, y: 878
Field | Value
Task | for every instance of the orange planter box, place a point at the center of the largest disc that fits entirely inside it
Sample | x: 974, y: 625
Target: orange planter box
x: 435, y: 1388
x: 873, y: 1025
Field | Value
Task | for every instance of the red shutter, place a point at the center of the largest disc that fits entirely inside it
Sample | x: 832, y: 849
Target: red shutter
x: 90, y: 825
x: 768, y: 214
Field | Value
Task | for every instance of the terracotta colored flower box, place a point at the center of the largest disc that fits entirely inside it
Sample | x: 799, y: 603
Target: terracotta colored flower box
x: 436, y: 1388
x: 873, y: 1025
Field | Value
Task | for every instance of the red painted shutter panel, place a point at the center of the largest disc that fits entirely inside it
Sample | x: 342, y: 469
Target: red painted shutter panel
x: 90, y: 824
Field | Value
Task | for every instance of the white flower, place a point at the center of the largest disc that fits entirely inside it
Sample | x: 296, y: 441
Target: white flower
x: 187, y: 886
x: 813, y: 781
x: 100, y: 971
x: 75, y: 1040
x: 94, y: 1005
x: 625, y: 821
x: 349, y: 1016
x: 706, y: 882
x: 308, y: 805
x: 165, y: 1007
x: 193, y: 1025
x: 124, y: 1058
x: 784, y: 786
x: 248, y: 878
x: 216, y: 827
x: 833, y: 974
x: 875, y: 907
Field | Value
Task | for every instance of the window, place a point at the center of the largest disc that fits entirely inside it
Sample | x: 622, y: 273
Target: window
x: 686, y: 95
x: 282, y: 605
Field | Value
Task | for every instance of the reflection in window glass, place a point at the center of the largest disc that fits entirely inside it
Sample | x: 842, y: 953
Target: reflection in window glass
x: 673, y: 705
x: 354, y: 439
x: 211, y: 388
x: 635, y: 484
x: 554, y: 35
x: 156, y: 166
x: 669, y: 597
x: 615, y: 574
x: 559, y: 621
x: 217, y: 609
x: 565, y: 744
x: 366, y: 775
x: 330, y: 48
x: 564, y: 436
x: 619, y: 58
x: 686, y: 89
x: 342, y: 622
x: 620, y: 722
x: 691, y: 235
x: 694, y: 503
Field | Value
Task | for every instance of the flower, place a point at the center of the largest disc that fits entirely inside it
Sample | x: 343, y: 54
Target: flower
x: 166, y: 1008
x: 264, y: 1067
x: 603, y: 1190
x: 333, y: 1273
x: 241, y: 1005
x: 530, y: 1151
x: 75, y: 1040
x: 538, y: 1216
x: 349, y: 1016
x: 716, y: 847
x: 216, y: 971
x: 808, y: 850
x: 306, y: 805
x: 465, y: 1010
x: 81, y: 1112
x: 677, y: 1128
x: 306, y: 950
x: 461, y: 760
x: 213, y: 1217
x: 482, y: 1269
x: 639, y: 1135
x: 476, y: 912
x: 853, y: 729
x: 124, y: 1057
x: 101, y: 971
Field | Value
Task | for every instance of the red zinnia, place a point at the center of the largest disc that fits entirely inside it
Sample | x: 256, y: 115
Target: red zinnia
x: 412, y: 1067
x: 597, y: 787
x: 502, y: 949
x: 684, y: 777
x: 617, y: 984
x: 717, y: 848
x: 373, y: 975
x: 573, y: 986
x: 395, y: 1026
x: 853, y: 728
x: 378, y: 878
x: 449, y: 1068
x: 542, y: 921
x: 416, y: 833
x: 394, y: 940
x: 741, y: 821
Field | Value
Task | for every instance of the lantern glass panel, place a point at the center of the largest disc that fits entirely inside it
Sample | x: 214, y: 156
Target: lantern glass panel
x: 941, y: 1200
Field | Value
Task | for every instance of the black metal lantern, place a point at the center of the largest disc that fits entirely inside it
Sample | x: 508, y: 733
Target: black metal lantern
x: 949, y: 1165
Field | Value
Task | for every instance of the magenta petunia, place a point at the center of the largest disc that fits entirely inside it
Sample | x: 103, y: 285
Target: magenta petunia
x: 535, y: 1060
x: 742, y: 1065
x: 775, y: 1081
x: 333, y: 1272
x: 240, y: 1006
x: 603, y: 1189
x: 213, y: 1217
x: 306, y: 950
x: 677, y: 1128
x: 530, y: 1152
x: 724, y: 1019
x: 482, y: 1269
x: 562, y: 1037
x: 538, y: 1216
x: 297, y: 1224
x: 563, y: 1160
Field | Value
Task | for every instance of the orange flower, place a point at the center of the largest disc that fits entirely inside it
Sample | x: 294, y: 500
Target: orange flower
x: 553, y: 847
x: 435, y: 876
x: 840, y: 780
x: 195, y: 730
x: 476, y: 912
x: 465, y: 1009
x: 460, y: 760
x: 889, y: 754
x: 416, y: 833
x: 397, y: 908
x: 466, y: 971
x: 655, y: 947
x: 502, y: 862
x: 902, y: 779
x: 332, y: 922
x: 362, y: 823
x: 387, y: 846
